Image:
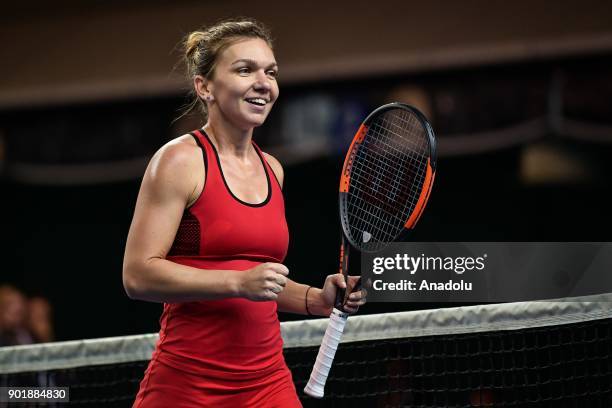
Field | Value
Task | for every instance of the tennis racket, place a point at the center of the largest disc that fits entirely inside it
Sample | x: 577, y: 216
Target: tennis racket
x: 384, y: 186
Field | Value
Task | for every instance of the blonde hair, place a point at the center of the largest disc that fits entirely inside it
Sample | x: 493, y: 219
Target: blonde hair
x: 203, y: 47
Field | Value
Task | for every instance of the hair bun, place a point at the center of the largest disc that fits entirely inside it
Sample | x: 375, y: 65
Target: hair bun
x: 192, y: 42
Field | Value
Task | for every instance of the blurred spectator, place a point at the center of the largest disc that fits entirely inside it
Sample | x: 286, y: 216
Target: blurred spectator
x: 414, y: 95
x: 39, y: 322
x: 13, y: 313
x: 2, y: 151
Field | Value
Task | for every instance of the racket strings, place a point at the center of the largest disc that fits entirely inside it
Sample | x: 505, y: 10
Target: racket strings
x: 418, y: 157
x: 387, y: 177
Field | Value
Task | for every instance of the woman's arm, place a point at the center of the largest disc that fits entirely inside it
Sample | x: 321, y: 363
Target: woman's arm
x: 320, y: 301
x: 293, y: 300
x: 172, y: 181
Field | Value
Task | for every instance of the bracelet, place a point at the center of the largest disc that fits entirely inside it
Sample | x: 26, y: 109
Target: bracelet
x: 306, y: 301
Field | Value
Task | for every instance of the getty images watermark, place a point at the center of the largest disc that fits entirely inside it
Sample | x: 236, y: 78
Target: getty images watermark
x: 487, y: 271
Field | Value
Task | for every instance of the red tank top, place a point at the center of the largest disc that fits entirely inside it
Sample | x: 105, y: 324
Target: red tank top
x: 234, y: 336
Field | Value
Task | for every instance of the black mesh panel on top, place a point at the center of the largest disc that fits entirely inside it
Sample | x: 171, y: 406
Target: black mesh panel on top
x: 187, y: 240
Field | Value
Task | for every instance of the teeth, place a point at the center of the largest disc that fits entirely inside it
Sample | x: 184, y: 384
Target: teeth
x: 257, y: 101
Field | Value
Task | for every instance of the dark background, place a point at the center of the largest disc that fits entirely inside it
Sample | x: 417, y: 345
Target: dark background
x: 525, y: 149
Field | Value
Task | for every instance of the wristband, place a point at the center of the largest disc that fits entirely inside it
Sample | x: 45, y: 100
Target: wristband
x: 306, y: 301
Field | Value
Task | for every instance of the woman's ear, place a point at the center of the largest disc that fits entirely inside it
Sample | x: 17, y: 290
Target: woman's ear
x: 203, y: 88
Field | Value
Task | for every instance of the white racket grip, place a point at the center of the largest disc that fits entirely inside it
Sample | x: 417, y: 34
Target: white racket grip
x: 327, y: 351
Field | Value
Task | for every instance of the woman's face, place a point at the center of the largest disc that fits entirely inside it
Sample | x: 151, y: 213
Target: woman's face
x: 243, y: 85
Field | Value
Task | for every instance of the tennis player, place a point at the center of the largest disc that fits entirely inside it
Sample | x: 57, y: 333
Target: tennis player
x: 209, y: 236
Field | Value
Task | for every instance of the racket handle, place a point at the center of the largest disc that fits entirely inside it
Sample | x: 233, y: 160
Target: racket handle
x: 327, y: 351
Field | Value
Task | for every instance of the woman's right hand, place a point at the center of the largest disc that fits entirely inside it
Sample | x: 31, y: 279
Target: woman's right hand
x: 263, y: 282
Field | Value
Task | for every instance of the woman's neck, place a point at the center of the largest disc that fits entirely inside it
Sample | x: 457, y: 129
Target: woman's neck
x: 229, y: 140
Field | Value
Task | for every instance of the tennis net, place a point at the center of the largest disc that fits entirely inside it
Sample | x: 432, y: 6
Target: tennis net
x: 531, y: 354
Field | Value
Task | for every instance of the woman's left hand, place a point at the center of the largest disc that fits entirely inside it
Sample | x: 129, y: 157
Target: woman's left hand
x: 330, y: 287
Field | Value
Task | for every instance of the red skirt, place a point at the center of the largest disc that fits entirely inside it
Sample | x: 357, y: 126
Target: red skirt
x: 164, y: 386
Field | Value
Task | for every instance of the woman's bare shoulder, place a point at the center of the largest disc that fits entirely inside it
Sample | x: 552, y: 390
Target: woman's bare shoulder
x: 178, y: 163
x: 276, y: 167
x: 178, y: 154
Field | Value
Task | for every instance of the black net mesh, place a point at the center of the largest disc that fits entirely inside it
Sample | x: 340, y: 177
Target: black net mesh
x: 556, y: 366
x: 566, y: 365
x: 112, y: 385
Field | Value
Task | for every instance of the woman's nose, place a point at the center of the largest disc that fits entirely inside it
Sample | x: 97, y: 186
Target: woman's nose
x: 263, y: 82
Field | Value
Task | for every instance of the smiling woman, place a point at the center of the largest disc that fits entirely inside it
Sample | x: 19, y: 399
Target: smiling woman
x: 244, y: 84
x: 209, y: 236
